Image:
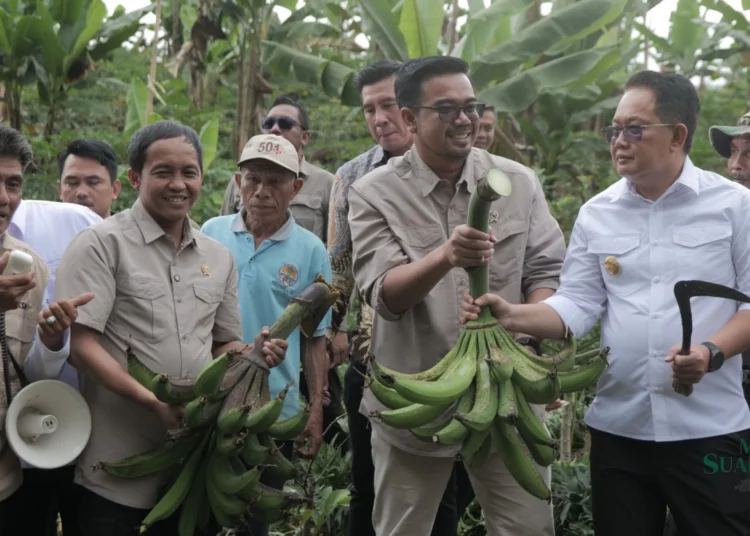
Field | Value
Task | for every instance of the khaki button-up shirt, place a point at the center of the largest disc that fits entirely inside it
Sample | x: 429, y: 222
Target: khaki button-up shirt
x: 20, y: 329
x: 310, y: 205
x: 401, y: 212
x: 171, y: 305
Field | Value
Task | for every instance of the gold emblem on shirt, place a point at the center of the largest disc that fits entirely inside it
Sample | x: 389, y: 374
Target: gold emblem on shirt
x: 612, y: 265
x: 204, y: 269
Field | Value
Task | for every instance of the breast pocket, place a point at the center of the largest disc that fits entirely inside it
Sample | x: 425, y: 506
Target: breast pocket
x: 618, y: 258
x: 704, y: 251
x: 308, y: 213
x: 20, y: 328
x: 508, y: 259
x: 207, y: 300
x: 142, y: 309
x: 418, y: 241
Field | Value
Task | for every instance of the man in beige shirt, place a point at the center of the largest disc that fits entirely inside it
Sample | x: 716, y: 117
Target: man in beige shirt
x: 162, y: 288
x: 410, y: 247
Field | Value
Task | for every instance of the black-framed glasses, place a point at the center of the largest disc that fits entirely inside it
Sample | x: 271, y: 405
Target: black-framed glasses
x: 633, y: 133
x: 285, y: 123
x: 448, y: 113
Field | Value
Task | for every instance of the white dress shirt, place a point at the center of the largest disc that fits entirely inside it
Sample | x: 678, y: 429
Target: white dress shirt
x: 48, y: 227
x: 699, y: 229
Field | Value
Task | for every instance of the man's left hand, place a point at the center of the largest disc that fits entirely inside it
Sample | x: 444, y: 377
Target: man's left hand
x: 314, y: 432
x: 274, y: 350
x: 59, y: 316
x: 689, y: 369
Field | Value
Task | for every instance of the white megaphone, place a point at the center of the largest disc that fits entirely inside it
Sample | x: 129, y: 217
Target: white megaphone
x: 48, y: 424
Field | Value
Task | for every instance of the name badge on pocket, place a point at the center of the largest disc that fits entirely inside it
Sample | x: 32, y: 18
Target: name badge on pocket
x: 612, y: 265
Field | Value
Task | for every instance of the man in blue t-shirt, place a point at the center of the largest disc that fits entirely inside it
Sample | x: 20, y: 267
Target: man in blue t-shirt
x: 276, y: 259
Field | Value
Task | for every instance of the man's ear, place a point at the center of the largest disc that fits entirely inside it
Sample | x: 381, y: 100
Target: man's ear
x: 134, y: 178
x: 116, y: 189
x: 298, y: 183
x: 306, y: 137
x: 679, y: 136
x: 410, y: 119
x: 238, y: 179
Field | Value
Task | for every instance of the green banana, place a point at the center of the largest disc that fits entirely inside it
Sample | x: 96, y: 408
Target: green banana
x: 539, y: 388
x: 226, y: 477
x: 385, y: 395
x: 428, y: 375
x: 234, y: 410
x: 196, y: 499
x: 454, y: 431
x: 253, y: 453
x: 501, y: 365
x: 564, y: 356
x: 528, y: 424
x: 268, y: 498
x: 447, y: 389
x: 238, y: 367
x: 507, y: 407
x: 179, y: 490
x: 479, y: 458
x: 229, y: 445
x: 214, y: 500
x: 138, y: 370
x: 202, y: 412
x: 210, y: 377
x: 229, y: 504
x: 484, y: 409
x: 412, y: 416
x: 172, y: 391
x: 170, y: 453
x: 518, y: 462
x: 428, y: 431
x: 582, y: 377
x: 261, y: 419
x: 290, y: 428
x: 279, y: 466
x: 473, y: 443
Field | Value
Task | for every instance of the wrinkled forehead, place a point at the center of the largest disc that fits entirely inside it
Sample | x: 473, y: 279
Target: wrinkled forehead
x: 741, y: 142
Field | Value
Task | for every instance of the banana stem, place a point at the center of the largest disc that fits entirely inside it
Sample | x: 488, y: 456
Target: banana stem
x: 487, y: 190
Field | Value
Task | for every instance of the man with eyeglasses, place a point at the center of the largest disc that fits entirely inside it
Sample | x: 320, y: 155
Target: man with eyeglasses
x: 486, y: 129
x: 667, y: 430
x: 411, y: 246
x: 288, y: 118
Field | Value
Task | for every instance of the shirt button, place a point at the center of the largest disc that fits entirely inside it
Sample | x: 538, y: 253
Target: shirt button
x: 177, y: 278
x: 184, y: 337
x: 252, y: 259
x: 656, y: 279
x: 655, y: 315
x: 179, y: 300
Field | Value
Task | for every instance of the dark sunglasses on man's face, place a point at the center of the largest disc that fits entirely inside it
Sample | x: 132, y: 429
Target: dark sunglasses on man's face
x: 285, y: 123
x: 632, y: 133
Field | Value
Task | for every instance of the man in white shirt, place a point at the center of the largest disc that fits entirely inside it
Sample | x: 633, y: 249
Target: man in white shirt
x: 47, y: 227
x: 665, y: 221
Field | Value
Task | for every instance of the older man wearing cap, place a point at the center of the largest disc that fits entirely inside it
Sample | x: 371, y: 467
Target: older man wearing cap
x: 276, y: 259
x: 733, y: 143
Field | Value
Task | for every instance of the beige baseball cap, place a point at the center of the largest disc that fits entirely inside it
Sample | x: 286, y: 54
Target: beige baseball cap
x: 273, y: 148
x: 721, y: 136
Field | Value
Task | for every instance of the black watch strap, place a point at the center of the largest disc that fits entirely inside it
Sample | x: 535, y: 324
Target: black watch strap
x: 530, y: 341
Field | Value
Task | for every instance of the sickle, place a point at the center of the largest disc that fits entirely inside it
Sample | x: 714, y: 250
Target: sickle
x: 683, y: 291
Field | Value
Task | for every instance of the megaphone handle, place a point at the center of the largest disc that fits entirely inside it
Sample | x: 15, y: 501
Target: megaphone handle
x: 8, y: 357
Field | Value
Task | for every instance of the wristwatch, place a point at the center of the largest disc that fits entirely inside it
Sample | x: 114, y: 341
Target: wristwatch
x: 716, y: 356
x: 530, y: 341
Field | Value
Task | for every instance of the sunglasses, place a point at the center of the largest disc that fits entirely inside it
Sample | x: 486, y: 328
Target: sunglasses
x: 285, y: 123
x: 632, y: 133
x: 449, y: 113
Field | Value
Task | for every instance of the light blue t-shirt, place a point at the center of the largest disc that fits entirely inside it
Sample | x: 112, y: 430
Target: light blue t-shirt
x: 282, y: 267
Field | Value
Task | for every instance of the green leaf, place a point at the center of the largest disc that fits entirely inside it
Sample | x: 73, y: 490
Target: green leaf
x: 23, y: 37
x: 421, y: 24
x: 67, y: 11
x: 382, y: 27
x: 339, y: 497
x: 6, y: 31
x: 490, y: 27
x: 686, y: 34
x: 53, y: 55
x: 115, y: 32
x: 519, y: 92
x: 136, y: 98
x: 605, y: 105
x: 575, y: 21
x: 475, y: 6
x: 613, y: 14
x: 660, y: 43
x: 188, y: 16
x: 94, y: 21
x: 209, y: 137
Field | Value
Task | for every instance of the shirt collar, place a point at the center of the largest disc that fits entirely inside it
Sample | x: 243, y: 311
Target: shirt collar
x: 379, y: 156
x: 152, y: 231
x: 15, y: 227
x: 238, y: 226
x: 688, y: 179
x: 428, y: 179
x: 304, y: 168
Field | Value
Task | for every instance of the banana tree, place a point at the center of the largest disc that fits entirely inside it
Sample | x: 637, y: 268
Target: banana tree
x: 69, y: 35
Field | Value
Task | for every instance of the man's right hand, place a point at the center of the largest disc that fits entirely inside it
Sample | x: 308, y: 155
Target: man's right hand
x: 13, y: 287
x: 470, y: 307
x: 339, y: 349
x: 171, y: 416
x: 469, y: 247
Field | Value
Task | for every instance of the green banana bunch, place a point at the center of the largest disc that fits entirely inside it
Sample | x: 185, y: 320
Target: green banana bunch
x: 228, y: 441
x: 479, y: 394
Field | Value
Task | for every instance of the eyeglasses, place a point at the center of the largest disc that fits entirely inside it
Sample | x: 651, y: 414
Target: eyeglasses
x: 285, y: 123
x: 449, y: 113
x: 633, y: 133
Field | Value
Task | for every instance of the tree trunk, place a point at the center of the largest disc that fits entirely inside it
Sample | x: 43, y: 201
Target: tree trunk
x: 152, y: 72
x: 452, y: 28
x: 176, y: 41
x: 239, y: 129
x: 49, y: 126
